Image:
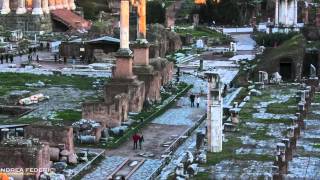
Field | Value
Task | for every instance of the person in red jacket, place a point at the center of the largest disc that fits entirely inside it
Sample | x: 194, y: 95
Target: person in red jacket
x: 135, y: 138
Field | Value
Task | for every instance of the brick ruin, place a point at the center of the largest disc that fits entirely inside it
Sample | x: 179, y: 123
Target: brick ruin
x: 59, y: 138
x: 24, y: 153
x: 135, y: 78
x: 107, y: 114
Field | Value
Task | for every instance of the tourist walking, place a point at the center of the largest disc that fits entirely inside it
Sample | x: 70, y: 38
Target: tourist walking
x: 11, y: 58
x: 7, y: 58
x: 1, y: 59
x: 141, y: 140
x: 198, y: 101
x: 135, y: 138
x: 192, y: 98
x: 38, y: 60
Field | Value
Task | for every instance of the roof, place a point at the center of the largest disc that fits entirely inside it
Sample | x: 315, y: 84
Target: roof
x: 105, y: 38
x: 13, y: 126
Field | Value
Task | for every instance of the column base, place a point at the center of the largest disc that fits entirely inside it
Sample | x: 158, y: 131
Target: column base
x: 59, y: 6
x: 46, y: 11
x: 5, y: 11
x: 52, y: 7
x: 72, y: 6
x: 37, y: 11
x: 21, y: 11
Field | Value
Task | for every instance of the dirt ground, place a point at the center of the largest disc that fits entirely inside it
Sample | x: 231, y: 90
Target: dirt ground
x: 154, y: 136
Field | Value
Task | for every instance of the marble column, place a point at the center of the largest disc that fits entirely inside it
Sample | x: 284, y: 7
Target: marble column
x: 59, y: 4
x: 72, y: 5
x: 37, y: 10
x: 124, y: 24
x: 66, y: 4
x: 286, y: 12
x: 52, y: 4
x: 21, y: 7
x: 5, y: 9
x: 295, y: 21
x: 276, y: 17
x: 45, y: 6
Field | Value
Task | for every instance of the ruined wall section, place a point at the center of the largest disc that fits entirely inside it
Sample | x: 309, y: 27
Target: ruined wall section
x: 107, y: 114
x: 56, y: 136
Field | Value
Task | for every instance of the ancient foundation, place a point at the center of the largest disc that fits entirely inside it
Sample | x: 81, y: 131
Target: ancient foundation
x: 26, y: 22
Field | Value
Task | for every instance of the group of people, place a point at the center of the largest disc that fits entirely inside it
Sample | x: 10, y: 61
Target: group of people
x: 137, y: 138
x: 6, y: 57
x: 194, y: 98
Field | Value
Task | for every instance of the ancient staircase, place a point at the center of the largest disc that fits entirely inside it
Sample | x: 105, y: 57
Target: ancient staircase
x: 71, y: 19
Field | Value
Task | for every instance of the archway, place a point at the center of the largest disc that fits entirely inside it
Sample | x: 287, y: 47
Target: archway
x: 286, y: 69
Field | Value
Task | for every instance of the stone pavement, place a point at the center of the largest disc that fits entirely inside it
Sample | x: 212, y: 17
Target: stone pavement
x: 105, y: 168
x: 163, y: 130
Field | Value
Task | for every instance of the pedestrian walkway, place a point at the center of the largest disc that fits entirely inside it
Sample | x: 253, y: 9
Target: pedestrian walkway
x: 158, y: 136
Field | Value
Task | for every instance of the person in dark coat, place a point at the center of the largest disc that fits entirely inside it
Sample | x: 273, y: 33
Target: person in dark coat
x: 192, y: 98
x: 135, y: 138
x: 7, y: 58
x: 1, y: 59
x: 38, y: 60
x: 141, y: 140
x: 11, y: 58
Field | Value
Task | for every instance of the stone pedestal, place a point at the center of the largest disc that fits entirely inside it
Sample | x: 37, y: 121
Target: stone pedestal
x: 146, y: 72
x: 124, y: 81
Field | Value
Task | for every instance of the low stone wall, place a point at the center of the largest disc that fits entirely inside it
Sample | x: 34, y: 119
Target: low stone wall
x: 15, y: 110
x: 107, y: 114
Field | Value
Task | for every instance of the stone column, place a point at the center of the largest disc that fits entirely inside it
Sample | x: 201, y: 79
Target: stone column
x: 45, y: 6
x: 59, y: 4
x: 286, y: 12
x: 52, y: 4
x: 124, y: 55
x: 21, y: 7
x: 318, y: 17
x: 66, y: 4
x: 72, y: 5
x: 276, y: 17
x: 5, y: 7
x: 215, y: 113
x: 124, y: 24
x: 295, y: 21
x: 37, y: 10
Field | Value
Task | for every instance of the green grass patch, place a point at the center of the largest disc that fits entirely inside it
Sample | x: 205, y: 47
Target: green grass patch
x: 228, y: 151
x: 317, y: 98
x: 16, y: 81
x: 316, y: 145
x: 202, y: 176
x: 69, y: 115
x: 274, y: 121
x: 283, y: 108
x: 261, y: 134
